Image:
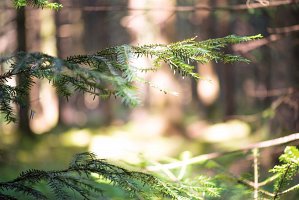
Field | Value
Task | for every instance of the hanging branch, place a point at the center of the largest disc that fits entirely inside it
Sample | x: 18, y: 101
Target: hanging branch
x: 108, y: 72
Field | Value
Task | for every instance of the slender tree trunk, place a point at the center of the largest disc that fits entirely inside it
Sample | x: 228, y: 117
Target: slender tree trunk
x: 103, y: 37
x: 225, y: 27
x: 229, y: 90
x: 23, y: 123
x: 60, y: 54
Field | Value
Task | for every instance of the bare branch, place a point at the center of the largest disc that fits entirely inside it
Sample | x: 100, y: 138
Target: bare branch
x: 249, y: 46
x: 255, y: 153
x: 284, y: 30
x: 277, y: 34
x: 204, y: 157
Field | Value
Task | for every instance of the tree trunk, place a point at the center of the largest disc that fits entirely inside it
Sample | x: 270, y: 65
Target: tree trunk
x: 23, y: 123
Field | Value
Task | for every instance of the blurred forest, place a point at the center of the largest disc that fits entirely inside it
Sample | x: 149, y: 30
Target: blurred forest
x: 231, y: 106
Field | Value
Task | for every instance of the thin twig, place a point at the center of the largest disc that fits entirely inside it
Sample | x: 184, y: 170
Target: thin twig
x: 281, y: 182
x: 204, y: 157
x: 167, y: 172
x: 265, y: 182
x: 252, y: 45
x: 284, y: 30
x: 255, y: 153
x: 251, y: 184
x: 288, y: 190
x: 270, y: 93
x: 243, y: 181
x: 186, y: 156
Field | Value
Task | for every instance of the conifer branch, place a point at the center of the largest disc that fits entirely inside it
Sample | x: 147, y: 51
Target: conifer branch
x: 108, y: 72
x: 80, y: 178
x: 287, y: 170
x: 37, y: 3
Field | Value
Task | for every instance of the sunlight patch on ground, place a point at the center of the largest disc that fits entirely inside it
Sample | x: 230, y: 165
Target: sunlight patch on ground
x: 79, y: 138
x: 132, y: 147
x: 221, y: 132
x: 147, y: 125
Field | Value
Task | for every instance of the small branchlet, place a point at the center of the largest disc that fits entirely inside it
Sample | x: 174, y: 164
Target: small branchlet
x: 286, y: 171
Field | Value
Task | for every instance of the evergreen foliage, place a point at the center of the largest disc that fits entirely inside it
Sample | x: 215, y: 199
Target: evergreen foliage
x: 80, y: 178
x: 37, y: 3
x: 286, y: 171
x: 283, y: 181
x: 108, y: 72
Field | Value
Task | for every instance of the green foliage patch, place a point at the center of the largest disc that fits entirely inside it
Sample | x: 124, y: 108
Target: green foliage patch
x: 286, y: 171
x: 37, y: 3
x: 108, y: 72
x: 86, y: 170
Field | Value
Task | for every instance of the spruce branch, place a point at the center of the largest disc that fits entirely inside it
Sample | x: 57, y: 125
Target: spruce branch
x: 80, y: 178
x: 37, y: 3
x: 108, y: 72
x: 288, y: 169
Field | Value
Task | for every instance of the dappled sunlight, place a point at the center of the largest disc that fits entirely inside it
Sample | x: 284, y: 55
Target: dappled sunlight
x: 7, y: 129
x: 79, y: 138
x: 147, y: 125
x: 44, y: 109
x: 151, y: 22
x: 129, y: 147
x: 90, y: 101
x: 231, y: 134
x: 144, y: 135
x: 7, y: 134
x: 222, y: 132
x: 48, y: 31
x: 132, y: 142
x: 208, y: 88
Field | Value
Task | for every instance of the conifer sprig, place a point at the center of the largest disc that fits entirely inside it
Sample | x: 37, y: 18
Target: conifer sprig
x: 79, y: 179
x: 108, y: 72
x: 37, y: 3
x: 286, y: 171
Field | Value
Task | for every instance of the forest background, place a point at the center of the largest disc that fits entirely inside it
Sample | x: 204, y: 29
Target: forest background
x: 232, y: 106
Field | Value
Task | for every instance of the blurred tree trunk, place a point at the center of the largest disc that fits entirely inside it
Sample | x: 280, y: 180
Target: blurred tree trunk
x: 65, y: 47
x: 98, y: 25
x: 205, y: 92
x: 23, y: 123
x: 285, y: 70
x: 60, y: 54
x: 228, y: 90
x: 224, y: 27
